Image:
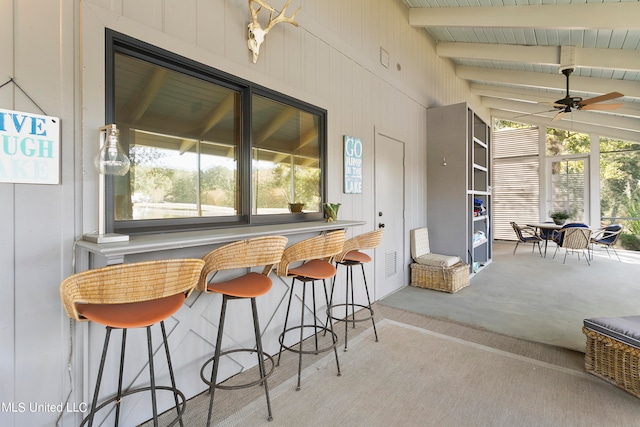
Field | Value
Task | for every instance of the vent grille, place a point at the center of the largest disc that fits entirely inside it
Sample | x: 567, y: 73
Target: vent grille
x: 390, y: 264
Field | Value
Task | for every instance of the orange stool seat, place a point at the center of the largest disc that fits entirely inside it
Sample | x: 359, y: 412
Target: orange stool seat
x: 314, y: 269
x: 250, y: 285
x: 132, y: 314
x: 357, y: 257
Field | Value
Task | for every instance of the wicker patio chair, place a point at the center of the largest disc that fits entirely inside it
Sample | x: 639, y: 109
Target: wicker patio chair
x: 526, y: 235
x: 607, y: 237
x: 576, y: 239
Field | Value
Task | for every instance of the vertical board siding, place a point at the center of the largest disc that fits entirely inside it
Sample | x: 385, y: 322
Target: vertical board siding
x: 331, y: 60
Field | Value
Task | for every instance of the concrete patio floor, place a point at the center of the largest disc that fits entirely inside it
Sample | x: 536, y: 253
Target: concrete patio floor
x: 535, y: 298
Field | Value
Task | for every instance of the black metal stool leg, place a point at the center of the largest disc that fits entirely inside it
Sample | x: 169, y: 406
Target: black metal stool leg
x: 171, y: 375
x: 333, y: 335
x: 256, y: 327
x: 152, y: 377
x: 315, y: 316
x: 304, y: 292
x: 216, y: 357
x: 353, y: 303
x: 330, y: 305
x: 94, y: 403
x: 286, y: 319
x: 366, y: 289
x: 349, y: 281
x: 120, y: 375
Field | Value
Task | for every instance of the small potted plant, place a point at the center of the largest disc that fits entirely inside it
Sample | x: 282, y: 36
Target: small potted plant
x: 296, y: 207
x: 560, y: 217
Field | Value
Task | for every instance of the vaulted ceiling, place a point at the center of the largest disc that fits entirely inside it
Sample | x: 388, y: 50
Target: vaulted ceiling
x: 512, y: 52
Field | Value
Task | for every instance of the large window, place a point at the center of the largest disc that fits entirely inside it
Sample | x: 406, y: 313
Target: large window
x: 207, y: 149
x: 620, y: 188
x: 568, y: 177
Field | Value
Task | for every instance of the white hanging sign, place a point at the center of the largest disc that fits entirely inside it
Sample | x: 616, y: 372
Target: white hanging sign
x: 29, y: 148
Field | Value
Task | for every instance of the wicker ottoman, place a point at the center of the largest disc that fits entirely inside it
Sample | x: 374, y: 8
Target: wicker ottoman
x: 613, y: 351
x: 447, y: 279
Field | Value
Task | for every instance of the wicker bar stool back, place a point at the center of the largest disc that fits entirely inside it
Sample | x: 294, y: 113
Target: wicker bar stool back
x: 263, y: 252
x: 351, y: 256
x: 315, y: 254
x: 136, y: 295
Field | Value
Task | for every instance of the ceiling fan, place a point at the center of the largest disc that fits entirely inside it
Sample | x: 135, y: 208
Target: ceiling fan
x: 569, y: 103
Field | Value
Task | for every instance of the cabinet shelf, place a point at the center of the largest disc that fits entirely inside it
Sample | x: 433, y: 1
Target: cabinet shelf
x: 479, y: 142
x: 479, y: 243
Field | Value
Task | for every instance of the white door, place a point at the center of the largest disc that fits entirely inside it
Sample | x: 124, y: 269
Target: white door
x: 389, y: 203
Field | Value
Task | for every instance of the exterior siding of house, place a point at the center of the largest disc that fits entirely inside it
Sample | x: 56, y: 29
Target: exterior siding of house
x: 55, y: 52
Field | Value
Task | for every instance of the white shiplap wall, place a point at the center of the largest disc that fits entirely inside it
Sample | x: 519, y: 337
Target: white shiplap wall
x: 55, y: 50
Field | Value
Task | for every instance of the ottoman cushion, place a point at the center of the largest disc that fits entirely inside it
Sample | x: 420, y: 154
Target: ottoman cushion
x: 624, y: 329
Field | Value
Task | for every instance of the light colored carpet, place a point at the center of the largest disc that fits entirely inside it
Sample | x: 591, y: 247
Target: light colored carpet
x: 416, y: 376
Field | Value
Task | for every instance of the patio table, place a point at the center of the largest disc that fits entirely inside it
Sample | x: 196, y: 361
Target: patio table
x: 548, y: 227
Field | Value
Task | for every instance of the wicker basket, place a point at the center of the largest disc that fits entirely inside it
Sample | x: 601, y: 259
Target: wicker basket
x: 613, y: 361
x: 447, y: 279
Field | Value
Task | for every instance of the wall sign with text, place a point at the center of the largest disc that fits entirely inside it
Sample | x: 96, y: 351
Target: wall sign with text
x: 352, y: 165
x: 29, y: 148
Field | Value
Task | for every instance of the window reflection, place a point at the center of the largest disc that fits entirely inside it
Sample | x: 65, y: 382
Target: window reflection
x: 208, y: 149
x: 286, y: 158
x: 182, y: 135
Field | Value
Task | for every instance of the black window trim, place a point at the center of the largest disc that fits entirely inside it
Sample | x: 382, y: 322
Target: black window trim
x: 116, y: 42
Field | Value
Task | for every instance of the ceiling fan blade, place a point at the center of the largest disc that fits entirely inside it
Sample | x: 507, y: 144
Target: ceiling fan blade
x: 558, y: 116
x: 605, y: 97
x: 601, y: 106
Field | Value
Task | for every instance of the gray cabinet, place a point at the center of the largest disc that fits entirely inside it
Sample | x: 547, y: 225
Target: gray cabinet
x: 459, y: 184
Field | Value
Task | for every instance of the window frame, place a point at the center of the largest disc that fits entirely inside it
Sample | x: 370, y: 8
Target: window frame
x: 119, y: 43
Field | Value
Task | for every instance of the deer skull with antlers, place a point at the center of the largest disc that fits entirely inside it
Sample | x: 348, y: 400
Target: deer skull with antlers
x: 256, y: 32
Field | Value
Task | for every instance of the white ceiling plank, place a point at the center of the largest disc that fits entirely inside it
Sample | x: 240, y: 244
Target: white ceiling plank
x: 551, y: 81
x: 615, y: 59
x: 534, y: 97
x: 577, y: 116
x: 500, y: 52
x: 612, y: 16
x: 567, y: 124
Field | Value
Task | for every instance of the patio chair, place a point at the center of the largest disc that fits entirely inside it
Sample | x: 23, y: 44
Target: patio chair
x: 526, y: 235
x: 607, y: 237
x: 574, y: 237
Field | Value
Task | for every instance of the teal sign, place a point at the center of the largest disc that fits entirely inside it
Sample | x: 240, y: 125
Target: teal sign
x: 29, y: 148
x: 352, y: 165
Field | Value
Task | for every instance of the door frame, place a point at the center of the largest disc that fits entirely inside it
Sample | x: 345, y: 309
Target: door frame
x: 380, y: 255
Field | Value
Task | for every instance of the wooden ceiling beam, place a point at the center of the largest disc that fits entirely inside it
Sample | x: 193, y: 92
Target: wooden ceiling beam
x: 611, y: 16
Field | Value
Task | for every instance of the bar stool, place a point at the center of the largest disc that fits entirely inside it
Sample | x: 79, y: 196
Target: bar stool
x: 316, y: 254
x: 350, y: 256
x: 259, y: 252
x: 136, y: 295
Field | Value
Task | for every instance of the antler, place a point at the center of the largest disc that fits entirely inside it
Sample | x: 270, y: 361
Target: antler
x: 279, y: 17
x: 256, y: 32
